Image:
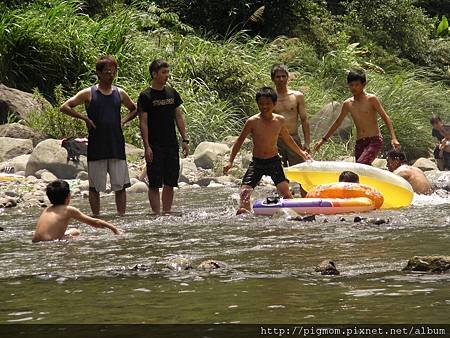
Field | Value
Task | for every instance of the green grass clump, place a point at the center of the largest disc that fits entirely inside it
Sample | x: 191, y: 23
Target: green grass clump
x: 54, y: 45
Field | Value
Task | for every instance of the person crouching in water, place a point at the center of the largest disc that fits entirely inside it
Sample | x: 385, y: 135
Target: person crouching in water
x: 265, y: 128
x: 396, y: 163
x: 53, y: 222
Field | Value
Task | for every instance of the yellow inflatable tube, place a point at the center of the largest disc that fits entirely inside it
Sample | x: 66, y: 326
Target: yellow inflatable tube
x: 397, y: 192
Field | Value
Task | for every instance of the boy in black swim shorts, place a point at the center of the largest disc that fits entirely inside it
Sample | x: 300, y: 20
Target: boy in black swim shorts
x: 265, y: 128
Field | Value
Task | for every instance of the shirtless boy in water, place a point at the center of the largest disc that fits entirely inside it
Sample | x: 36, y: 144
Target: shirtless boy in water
x: 265, y: 128
x: 396, y: 163
x: 364, y: 109
x: 53, y: 222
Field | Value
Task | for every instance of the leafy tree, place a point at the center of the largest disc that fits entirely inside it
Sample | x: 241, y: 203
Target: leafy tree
x: 396, y: 25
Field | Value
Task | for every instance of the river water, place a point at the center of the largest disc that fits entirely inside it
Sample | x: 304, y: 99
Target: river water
x: 269, y: 275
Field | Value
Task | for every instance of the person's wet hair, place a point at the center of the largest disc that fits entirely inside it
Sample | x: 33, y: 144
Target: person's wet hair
x: 278, y: 68
x: 267, y: 92
x: 435, y: 119
x: 104, y: 61
x: 356, y: 75
x: 396, y: 155
x: 348, y: 176
x: 156, y: 65
x: 57, y: 192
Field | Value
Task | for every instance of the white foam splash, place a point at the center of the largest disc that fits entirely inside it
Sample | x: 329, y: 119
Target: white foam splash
x: 436, y: 198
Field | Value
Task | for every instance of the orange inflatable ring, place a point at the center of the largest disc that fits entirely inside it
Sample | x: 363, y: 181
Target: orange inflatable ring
x: 346, y: 190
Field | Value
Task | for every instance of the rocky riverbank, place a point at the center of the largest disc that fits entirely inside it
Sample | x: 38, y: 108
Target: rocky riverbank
x: 29, y: 160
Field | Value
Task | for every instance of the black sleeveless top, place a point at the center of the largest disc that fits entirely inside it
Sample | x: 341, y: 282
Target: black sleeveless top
x: 106, y: 141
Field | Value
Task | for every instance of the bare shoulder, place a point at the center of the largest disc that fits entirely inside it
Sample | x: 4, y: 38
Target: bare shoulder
x: 403, y: 170
x: 347, y: 103
x: 279, y: 118
x: 350, y: 100
x: 296, y: 93
x: 86, y: 92
x: 71, y: 211
x: 83, y: 95
x: 121, y: 91
x: 372, y: 97
x: 253, y: 118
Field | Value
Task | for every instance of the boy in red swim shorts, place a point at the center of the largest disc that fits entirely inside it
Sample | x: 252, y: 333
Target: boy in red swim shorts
x: 364, y: 109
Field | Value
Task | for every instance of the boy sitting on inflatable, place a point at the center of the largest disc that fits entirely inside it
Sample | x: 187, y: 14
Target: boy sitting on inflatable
x: 265, y: 128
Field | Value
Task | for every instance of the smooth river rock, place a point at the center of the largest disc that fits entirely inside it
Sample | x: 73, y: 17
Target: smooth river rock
x: 434, y: 264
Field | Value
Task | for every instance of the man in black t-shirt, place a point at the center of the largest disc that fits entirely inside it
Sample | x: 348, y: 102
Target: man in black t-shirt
x: 159, y: 110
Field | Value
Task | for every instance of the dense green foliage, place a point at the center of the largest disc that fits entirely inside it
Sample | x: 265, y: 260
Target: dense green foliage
x: 53, y: 45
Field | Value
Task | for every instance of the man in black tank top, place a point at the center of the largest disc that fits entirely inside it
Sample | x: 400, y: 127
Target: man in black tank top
x: 106, y: 143
x: 159, y: 111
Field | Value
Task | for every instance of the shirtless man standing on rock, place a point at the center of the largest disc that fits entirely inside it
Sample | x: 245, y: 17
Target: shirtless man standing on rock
x: 291, y: 105
x: 396, y: 163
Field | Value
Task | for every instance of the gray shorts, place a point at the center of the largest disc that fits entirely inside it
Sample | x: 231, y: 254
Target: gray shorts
x: 117, y: 170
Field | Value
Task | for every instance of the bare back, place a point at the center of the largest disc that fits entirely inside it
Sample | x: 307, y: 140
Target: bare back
x: 364, y: 115
x: 416, y: 178
x: 265, y: 132
x: 52, y: 223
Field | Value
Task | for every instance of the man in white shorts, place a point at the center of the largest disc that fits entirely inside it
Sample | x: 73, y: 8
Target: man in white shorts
x: 106, y: 143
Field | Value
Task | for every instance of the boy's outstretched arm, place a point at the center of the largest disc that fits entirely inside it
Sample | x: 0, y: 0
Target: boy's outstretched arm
x: 237, y: 145
x: 387, y: 121
x: 284, y: 133
x: 94, y: 222
x: 334, y: 126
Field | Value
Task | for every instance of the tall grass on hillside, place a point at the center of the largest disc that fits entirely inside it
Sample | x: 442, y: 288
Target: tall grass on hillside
x: 47, y: 45
x: 410, y: 103
x: 53, y: 123
x: 55, y: 46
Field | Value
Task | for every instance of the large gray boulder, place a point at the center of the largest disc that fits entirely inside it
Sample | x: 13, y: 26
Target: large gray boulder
x: 134, y: 154
x: 138, y: 188
x: 17, y: 104
x: 321, y: 121
x: 425, y: 164
x: 17, y: 130
x: 206, y: 154
x: 13, y: 147
x: 230, y: 140
x: 49, y: 155
x: 189, y: 172
x: 380, y: 163
x: 18, y: 163
x: 439, y: 179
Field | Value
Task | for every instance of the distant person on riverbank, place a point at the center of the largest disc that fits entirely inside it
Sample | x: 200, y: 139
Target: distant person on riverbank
x: 348, y: 176
x: 441, y: 132
x: 265, y: 128
x: 53, y: 222
x: 364, y: 109
x: 106, y: 143
x: 159, y: 111
x: 291, y: 105
x: 396, y: 163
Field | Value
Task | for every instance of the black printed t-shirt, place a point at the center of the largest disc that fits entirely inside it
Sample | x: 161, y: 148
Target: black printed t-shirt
x: 160, y: 107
